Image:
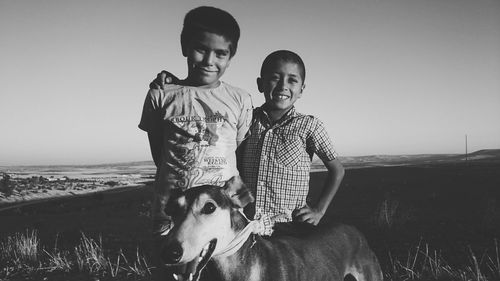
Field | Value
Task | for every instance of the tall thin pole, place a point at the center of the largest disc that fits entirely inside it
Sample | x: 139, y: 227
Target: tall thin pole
x: 466, y: 152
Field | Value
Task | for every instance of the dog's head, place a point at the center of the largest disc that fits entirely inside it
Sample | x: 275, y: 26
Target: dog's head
x: 206, y: 219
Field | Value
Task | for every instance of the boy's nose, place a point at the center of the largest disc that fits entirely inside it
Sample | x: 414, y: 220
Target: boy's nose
x: 209, y: 58
x: 281, y: 84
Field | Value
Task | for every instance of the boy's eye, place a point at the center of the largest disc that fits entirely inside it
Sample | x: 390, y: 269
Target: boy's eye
x: 199, y: 50
x: 292, y: 81
x: 222, y: 54
x: 208, y: 208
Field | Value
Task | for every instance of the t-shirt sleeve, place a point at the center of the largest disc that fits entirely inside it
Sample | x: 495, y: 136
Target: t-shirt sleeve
x: 150, y: 113
x: 320, y: 142
x: 245, y: 118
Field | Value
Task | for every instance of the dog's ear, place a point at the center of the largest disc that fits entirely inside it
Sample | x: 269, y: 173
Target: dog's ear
x: 238, y: 192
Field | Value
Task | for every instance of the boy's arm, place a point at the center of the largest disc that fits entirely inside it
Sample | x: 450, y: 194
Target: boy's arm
x: 155, y: 136
x: 150, y: 123
x: 313, y: 214
x: 244, y: 121
x: 155, y: 142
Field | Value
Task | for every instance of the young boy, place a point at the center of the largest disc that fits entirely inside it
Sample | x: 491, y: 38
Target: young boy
x: 276, y: 158
x: 195, y: 126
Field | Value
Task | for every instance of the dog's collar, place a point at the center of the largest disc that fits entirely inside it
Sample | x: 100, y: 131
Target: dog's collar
x: 240, y: 238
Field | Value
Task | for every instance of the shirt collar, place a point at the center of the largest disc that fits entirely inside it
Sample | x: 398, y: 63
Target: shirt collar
x: 262, y: 115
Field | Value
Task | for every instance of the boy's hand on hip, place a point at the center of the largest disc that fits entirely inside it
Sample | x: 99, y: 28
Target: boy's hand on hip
x: 308, y: 215
x: 163, y: 78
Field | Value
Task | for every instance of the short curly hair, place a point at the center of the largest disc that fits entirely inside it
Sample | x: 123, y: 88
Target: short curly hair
x: 213, y: 20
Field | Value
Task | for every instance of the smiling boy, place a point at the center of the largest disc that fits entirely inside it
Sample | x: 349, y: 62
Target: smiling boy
x: 195, y: 126
x: 275, y: 160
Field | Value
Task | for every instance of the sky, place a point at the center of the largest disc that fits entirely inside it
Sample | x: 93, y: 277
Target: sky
x: 385, y: 76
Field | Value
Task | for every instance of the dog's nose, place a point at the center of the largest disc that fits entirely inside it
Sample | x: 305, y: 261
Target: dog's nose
x: 172, y: 253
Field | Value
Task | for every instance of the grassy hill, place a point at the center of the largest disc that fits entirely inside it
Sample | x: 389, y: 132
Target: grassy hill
x: 477, y: 157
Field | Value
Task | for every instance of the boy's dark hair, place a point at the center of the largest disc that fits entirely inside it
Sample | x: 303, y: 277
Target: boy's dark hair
x: 213, y: 20
x: 286, y: 56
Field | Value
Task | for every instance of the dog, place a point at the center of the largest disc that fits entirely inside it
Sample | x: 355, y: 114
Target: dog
x: 209, y: 228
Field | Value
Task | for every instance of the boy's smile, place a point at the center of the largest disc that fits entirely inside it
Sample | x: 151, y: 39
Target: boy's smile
x: 208, y: 56
x: 282, y: 86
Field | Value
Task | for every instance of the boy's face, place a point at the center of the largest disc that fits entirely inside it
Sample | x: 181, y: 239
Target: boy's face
x: 208, y: 56
x: 282, y: 85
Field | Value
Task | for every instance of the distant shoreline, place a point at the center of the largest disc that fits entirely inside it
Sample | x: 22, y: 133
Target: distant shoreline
x: 43, y: 183
x: 347, y: 160
x: 33, y: 199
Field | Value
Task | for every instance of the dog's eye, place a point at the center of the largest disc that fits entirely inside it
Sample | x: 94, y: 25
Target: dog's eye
x: 208, y: 208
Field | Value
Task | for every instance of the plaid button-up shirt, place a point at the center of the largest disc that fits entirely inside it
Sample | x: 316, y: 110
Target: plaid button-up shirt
x: 276, y: 162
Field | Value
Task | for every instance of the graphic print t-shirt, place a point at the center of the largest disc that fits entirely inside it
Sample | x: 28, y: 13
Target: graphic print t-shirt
x: 200, y: 128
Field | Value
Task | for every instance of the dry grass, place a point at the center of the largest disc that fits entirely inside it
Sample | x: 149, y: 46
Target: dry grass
x: 423, y: 263
x: 21, y: 249
x: 22, y: 257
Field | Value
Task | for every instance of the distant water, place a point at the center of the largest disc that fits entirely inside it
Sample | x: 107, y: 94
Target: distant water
x: 112, y: 171
x: 147, y: 169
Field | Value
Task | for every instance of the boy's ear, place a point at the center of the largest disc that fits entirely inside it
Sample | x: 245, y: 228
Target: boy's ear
x: 238, y: 192
x: 260, y: 85
x: 302, y: 90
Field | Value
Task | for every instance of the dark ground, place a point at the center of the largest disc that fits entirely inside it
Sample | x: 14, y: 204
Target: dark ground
x: 448, y: 206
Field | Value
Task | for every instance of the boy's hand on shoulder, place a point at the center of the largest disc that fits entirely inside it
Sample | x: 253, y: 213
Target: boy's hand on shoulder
x: 308, y: 215
x: 163, y: 78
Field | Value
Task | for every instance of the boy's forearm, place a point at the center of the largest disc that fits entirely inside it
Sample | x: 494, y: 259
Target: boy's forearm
x: 330, y: 186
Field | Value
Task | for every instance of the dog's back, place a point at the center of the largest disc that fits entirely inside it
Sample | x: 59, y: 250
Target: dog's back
x: 326, y: 253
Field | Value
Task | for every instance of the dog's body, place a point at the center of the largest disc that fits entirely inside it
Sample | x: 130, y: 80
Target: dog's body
x: 208, y: 226
x: 329, y: 255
